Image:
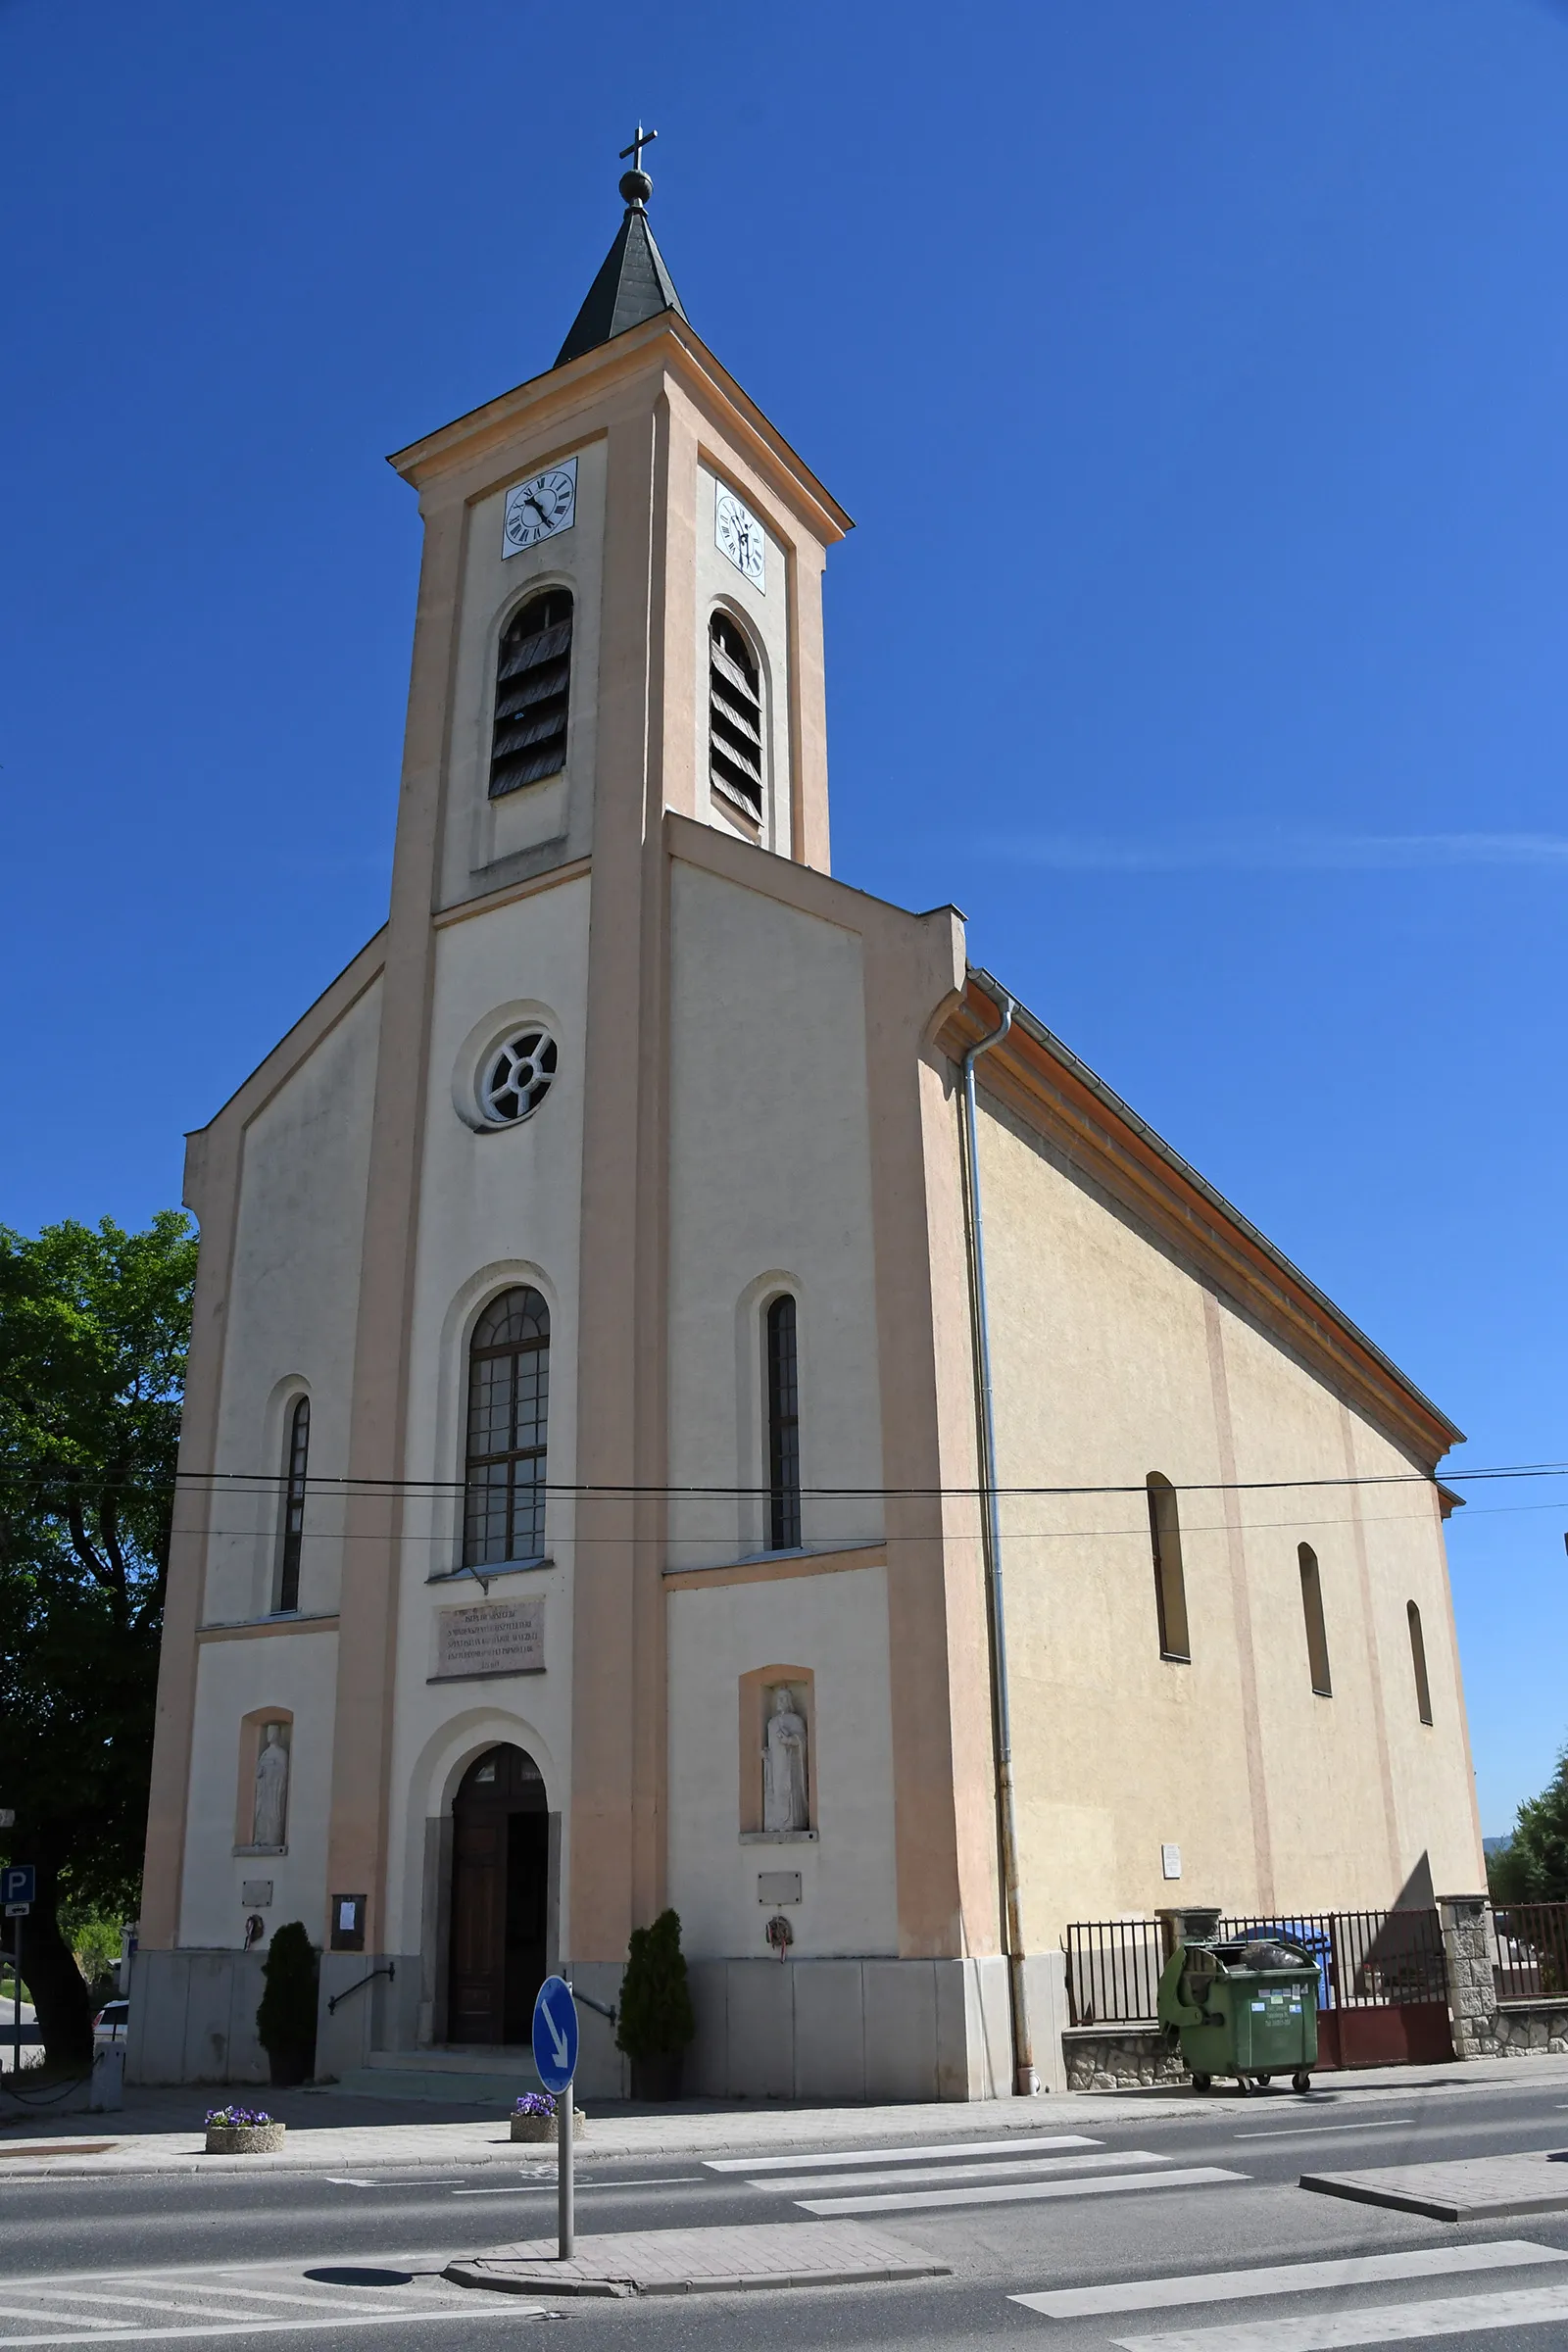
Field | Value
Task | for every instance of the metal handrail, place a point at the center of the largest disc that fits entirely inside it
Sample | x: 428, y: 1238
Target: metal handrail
x: 389, y: 1972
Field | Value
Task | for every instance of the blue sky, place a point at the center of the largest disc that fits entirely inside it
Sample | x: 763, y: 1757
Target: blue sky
x: 1196, y: 377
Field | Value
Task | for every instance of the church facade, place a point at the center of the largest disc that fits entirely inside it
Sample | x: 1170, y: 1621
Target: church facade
x: 590, y: 1419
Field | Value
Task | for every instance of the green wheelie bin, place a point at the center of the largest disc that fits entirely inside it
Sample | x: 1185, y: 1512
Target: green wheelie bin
x: 1242, y: 2009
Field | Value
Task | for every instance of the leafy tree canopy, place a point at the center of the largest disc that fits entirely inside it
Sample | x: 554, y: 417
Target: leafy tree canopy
x: 1533, y: 1866
x: 94, y: 1327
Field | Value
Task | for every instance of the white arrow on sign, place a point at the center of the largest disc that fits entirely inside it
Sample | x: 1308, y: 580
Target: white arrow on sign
x: 558, y: 2039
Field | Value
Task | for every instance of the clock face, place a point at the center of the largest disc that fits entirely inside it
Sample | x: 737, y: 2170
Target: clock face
x: 537, y: 509
x: 739, y: 535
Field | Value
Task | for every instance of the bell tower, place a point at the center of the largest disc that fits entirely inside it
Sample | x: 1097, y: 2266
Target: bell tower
x: 621, y: 605
x: 620, y: 625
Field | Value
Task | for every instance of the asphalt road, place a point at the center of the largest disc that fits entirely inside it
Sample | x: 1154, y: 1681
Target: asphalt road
x: 325, y: 2259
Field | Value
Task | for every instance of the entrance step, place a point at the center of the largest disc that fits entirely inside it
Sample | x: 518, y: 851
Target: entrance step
x: 473, y: 2076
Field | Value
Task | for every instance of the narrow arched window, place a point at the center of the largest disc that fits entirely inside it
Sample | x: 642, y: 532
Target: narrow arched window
x: 1317, y: 1639
x: 509, y: 1405
x: 296, y: 1453
x: 1418, y: 1662
x: 1170, y: 1584
x: 533, y: 690
x: 734, y: 715
x: 783, y: 1428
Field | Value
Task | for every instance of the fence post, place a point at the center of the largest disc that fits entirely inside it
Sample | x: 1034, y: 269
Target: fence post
x: 1466, y: 1922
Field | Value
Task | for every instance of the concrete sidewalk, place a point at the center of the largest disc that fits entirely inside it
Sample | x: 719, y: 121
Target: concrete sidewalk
x: 159, y: 2130
x: 692, y: 2262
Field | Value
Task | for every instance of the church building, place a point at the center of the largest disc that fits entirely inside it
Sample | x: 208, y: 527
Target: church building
x: 699, y: 1399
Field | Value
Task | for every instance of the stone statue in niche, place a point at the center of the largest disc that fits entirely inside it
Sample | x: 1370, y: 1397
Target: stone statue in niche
x: 785, y: 1804
x: 272, y: 1786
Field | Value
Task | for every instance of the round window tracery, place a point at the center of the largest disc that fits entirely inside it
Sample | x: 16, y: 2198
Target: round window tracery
x: 517, y: 1077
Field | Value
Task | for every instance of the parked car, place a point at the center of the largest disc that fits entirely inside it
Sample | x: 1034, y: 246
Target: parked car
x: 110, y: 2023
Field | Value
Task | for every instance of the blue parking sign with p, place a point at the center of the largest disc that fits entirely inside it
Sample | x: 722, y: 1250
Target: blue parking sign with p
x: 19, y: 1883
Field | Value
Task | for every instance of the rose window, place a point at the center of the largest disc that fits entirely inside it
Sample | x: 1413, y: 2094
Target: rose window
x: 517, y: 1076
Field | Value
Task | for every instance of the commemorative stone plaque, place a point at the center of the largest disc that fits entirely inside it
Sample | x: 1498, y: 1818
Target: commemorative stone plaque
x: 495, y: 1637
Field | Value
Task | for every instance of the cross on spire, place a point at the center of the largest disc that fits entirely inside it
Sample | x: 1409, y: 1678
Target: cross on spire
x: 644, y: 138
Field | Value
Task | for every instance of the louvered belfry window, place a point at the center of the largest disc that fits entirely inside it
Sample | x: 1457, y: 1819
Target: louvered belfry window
x: 533, y: 683
x: 734, y: 715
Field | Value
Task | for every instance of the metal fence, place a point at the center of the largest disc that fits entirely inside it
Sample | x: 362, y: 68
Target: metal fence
x: 1365, y: 1960
x: 1113, y: 1968
x: 1532, y: 1951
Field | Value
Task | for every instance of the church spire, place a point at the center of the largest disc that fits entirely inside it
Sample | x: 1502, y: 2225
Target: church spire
x: 633, y: 284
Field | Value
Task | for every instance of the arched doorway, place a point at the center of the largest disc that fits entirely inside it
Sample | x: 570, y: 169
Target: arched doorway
x: 500, y: 1895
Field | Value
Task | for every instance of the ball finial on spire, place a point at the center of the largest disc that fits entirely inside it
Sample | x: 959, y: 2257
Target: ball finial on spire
x: 635, y: 185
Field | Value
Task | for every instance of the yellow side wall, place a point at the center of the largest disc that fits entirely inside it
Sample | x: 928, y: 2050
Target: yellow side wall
x: 1111, y: 1359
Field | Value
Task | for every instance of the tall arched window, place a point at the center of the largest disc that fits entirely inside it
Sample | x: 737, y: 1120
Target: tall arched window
x: 783, y: 1428
x: 1170, y: 1584
x: 1317, y: 1638
x: 296, y: 1453
x: 509, y: 1404
x: 734, y: 715
x: 533, y: 686
x: 1418, y: 1661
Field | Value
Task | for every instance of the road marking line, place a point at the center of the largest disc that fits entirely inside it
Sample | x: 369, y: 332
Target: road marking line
x: 1316, y: 2131
x: 1383, y: 2323
x: 1283, y: 2278
x: 332, y: 2315
x: 1016, y: 2147
x: 949, y: 2174
x: 68, y: 2319
x: 544, y: 2189
x: 1027, y: 2193
x: 189, y: 2310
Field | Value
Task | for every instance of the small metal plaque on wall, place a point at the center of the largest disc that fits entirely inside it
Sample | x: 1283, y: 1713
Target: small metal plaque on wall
x: 493, y: 1638
x: 778, y: 1886
x: 256, y: 1893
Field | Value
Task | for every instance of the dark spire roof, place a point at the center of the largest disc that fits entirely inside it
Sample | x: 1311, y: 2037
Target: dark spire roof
x: 632, y: 285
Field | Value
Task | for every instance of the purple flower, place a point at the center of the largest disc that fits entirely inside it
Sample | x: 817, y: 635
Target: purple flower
x: 238, y: 2118
x: 535, y: 2102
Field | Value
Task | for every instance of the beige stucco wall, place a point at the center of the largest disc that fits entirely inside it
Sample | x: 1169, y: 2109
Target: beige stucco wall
x: 770, y: 1189
x: 1111, y: 1360
x: 498, y: 1207
x: 292, y: 1300
x: 295, y: 1672
x: 837, y: 1627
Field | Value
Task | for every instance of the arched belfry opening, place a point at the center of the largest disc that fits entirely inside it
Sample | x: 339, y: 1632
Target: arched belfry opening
x: 500, y: 1898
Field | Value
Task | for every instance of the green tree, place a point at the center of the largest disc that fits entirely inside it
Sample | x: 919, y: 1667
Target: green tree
x: 1532, y: 1868
x: 656, y: 2002
x: 94, y: 1327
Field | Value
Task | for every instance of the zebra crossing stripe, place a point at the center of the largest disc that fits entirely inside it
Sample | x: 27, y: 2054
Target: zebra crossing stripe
x: 1386, y: 2323
x: 1021, y: 2192
x: 949, y: 2175
x: 1014, y: 2146
x: 1283, y: 2278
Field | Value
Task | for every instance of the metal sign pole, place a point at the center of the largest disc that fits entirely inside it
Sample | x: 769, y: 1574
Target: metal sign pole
x: 15, y: 2000
x: 565, y: 2176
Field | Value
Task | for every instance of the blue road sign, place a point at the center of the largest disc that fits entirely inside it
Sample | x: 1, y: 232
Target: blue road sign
x: 18, y: 1883
x: 554, y: 2034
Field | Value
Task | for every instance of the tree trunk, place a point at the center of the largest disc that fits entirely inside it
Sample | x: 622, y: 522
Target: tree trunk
x: 50, y: 1972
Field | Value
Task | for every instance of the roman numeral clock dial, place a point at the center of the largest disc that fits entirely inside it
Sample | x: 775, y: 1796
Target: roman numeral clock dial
x: 739, y: 535
x: 537, y: 509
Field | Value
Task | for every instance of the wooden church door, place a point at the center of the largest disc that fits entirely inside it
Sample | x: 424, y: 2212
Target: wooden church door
x: 500, y: 1895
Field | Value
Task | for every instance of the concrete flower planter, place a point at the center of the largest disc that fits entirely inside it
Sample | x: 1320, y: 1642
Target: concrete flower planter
x: 543, y: 2127
x: 244, y: 2139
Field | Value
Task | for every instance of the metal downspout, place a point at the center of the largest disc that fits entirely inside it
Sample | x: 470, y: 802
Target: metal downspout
x: 1025, y: 2079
